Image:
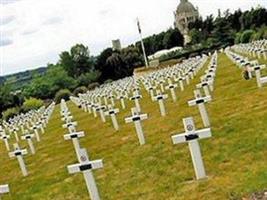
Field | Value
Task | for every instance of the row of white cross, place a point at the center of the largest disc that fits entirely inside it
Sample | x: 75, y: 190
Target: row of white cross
x: 256, y: 49
x: 34, y: 121
x: 84, y: 165
x: 18, y: 152
x: 252, y: 67
x: 191, y: 135
x: 148, y: 81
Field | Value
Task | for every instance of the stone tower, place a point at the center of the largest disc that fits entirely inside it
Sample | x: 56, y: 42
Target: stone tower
x: 184, y: 14
x: 116, y: 45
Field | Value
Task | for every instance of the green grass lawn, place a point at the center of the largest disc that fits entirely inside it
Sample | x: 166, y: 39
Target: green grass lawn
x: 235, y: 157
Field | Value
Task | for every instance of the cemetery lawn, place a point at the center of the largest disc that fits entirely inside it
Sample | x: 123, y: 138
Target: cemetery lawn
x: 235, y: 157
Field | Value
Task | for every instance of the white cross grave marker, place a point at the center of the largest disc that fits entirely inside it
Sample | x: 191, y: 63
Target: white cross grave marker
x: 112, y: 113
x: 74, y: 136
x: 200, y: 102
x: 29, y: 137
x: 101, y: 109
x: 19, y: 153
x: 85, y: 166
x: 5, y: 138
x: 172, y: 87
x: 121, y: 98
x: 205, y: 86
x: 35, y: 129
x: 71, y: 126
x: 257, y: 69
x: 14, y: 131
x: 192, y: 136
x: 160, y: 99
x: 136, y: 98
x: 137, y: 118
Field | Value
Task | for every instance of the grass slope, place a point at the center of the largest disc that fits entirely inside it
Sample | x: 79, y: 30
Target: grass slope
x: 235, y: 157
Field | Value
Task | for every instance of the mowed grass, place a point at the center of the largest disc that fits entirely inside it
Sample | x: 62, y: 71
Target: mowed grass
x: 235, y: 156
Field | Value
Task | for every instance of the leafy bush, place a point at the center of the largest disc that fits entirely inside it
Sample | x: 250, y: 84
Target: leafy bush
x: 93, y: 86
x: 62, y: 94
x: 11, y: 112
x: 79, y: 90
x: 246, y: 36
x: 32, y: 104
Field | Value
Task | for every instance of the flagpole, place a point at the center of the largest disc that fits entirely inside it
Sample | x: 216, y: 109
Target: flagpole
x: 142, y: 43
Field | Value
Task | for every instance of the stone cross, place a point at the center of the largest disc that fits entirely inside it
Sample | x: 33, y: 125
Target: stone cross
x: 29, y: 137
x: 257, y: 69
x: 101, y: 109
x: 172, y: 87
x: 205, y: 86
x: 74, y: 136
x: 112, y: 113
x: 85, y: 166
x: 14, y: 130
x: 136, y: 98
x: 71, y: 126
x: 160, y: 99
x: 35, y: 129
x: 5, y: 138
x: 181, y: 83
x: 137, y: 118
x: 200, y: 102
x: 191, y: 136
x: 94, y: 106
x: 19, y: 153
x: 187, y: 78
x: 121, y: 98
x: 39, y: 124
x: 89, y: 106
x: 111, y: 98
x: 161, y: 83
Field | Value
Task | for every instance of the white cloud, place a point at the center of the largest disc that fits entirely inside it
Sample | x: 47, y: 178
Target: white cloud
x: 40, y: 30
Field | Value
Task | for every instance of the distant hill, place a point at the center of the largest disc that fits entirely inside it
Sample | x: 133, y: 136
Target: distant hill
x: 20, y: 79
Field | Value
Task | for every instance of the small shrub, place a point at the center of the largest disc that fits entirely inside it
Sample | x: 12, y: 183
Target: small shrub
x: 11, y: 112
x: 93, y: 86
x: 79, y: 90
x: 32, y: 104
x: 62, y: 94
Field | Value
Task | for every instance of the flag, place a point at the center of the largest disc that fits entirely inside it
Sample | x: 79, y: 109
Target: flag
x: 139, y: 27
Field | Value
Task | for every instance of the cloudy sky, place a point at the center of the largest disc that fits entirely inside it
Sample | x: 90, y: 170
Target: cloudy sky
x: 34, y: 32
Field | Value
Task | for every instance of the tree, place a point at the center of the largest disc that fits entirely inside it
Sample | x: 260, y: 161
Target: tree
x: 101, y: 63
x: 90, y: 77
x: 46, y: 86
x: 223, y: 33
x: 115, y: 66
x: 6, y: 98
x: 173, y: 38
x: 132, y: 58
x: 246, y: 36
x: 196, y: 36
x: 77, y: 61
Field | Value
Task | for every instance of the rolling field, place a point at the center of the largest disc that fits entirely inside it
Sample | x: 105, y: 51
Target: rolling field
x: 235, y: 156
